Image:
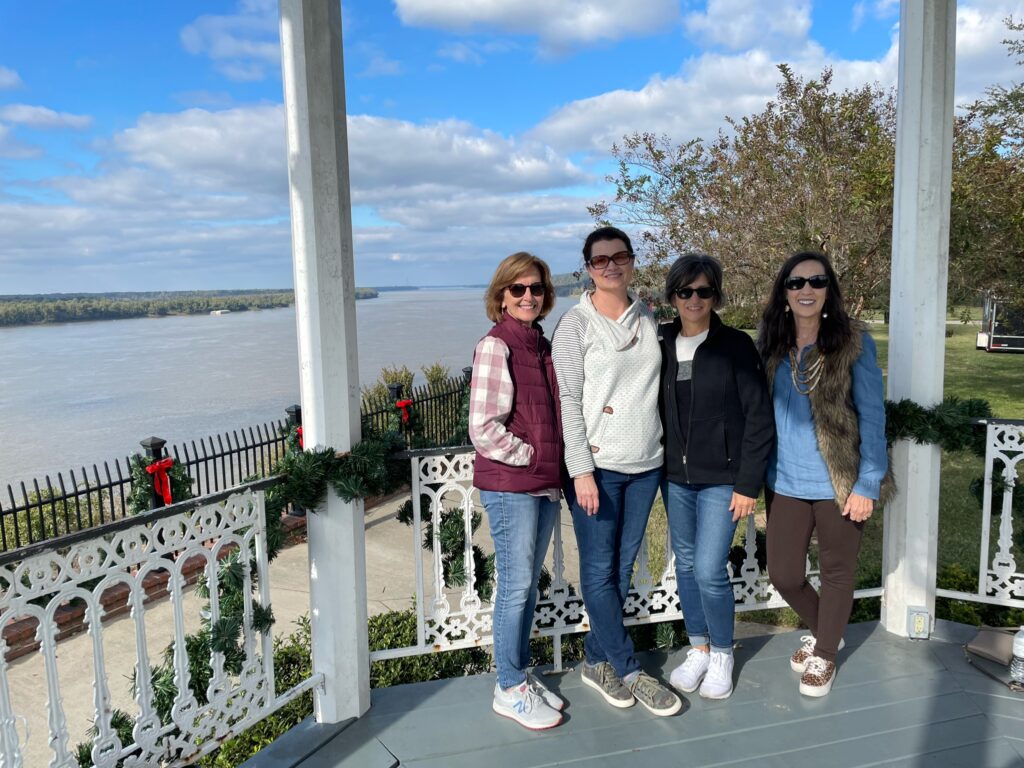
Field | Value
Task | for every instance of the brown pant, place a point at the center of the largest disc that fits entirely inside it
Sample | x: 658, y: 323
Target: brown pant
x: 790, y: 525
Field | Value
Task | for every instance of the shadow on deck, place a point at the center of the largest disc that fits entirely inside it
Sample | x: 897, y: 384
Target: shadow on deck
x: 896, y: 702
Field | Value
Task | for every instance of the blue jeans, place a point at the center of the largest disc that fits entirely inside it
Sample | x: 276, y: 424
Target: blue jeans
x: 701, y: 528
x: 608, y: 543
x: 521, y: 527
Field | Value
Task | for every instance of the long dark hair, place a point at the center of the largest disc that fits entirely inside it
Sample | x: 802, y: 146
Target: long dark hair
x: 777, y: 334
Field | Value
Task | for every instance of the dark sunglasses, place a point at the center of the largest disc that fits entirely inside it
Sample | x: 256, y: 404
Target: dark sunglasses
x: 518, y: 290
x: 601, y: 262
x: 704, y: 292
x: 797, y: 283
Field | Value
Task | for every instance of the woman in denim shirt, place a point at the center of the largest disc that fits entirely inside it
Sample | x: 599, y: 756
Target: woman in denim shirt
x: 830, y: 465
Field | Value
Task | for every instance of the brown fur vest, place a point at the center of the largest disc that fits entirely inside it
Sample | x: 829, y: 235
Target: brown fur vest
x: 835, y: 418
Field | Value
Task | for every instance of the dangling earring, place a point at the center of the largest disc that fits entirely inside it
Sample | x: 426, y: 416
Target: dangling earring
x: 787, y: 309
x: 824, y: 315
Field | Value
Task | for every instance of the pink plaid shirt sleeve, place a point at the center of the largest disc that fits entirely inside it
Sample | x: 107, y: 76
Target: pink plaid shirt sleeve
x: 490, y: 403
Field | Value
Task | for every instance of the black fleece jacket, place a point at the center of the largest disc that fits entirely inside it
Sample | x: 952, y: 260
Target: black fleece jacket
x: 730, y: 428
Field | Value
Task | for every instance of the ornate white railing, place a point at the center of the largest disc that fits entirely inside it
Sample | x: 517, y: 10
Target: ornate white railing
x: 35, y: 582
x: 1000, y: 575
x: 457, y: 617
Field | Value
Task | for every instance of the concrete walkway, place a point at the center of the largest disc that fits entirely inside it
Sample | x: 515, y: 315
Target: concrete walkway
x: 391, y: 585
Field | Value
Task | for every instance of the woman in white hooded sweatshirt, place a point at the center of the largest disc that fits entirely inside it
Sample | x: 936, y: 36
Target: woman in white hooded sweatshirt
x: 608, y: 361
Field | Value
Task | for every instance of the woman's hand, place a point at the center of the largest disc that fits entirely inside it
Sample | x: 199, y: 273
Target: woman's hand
x: 586, y: 493
x: 741, y: 506
x: 858, y: 508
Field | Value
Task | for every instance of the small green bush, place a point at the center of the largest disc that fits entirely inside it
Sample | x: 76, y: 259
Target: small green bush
x: 292, y: 665
x: 398, y: 375
x: 957, y: 578
x: 437, y: 376
x: 47, y: 518
x: 397, y: 629
x: 745, y: 316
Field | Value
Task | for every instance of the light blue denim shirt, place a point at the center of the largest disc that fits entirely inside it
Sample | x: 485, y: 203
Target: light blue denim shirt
x: 796, y: 467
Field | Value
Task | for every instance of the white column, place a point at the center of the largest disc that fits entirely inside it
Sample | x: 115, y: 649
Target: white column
x: 314, y: 95
x: 917, y: 307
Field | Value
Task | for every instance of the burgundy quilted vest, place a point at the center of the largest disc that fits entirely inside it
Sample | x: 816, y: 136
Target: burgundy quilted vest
x: 535, y: 418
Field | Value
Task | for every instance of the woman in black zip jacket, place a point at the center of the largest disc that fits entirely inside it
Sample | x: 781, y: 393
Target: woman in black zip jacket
x: 719, y: 430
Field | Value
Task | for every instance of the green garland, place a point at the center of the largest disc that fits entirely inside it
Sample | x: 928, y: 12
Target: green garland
x: 369, y: 469
x: 140, y: 499
x: 947, y: 424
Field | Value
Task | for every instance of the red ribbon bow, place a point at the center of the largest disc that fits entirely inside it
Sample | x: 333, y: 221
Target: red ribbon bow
x: 161, y: 481
x: 403, y: 406
x: 298, y: 431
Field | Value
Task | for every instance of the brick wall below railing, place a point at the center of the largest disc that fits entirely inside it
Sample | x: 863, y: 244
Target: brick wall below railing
x: 20, y: 635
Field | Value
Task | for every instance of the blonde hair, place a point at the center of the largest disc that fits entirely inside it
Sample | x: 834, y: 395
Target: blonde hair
x: 505, y: 275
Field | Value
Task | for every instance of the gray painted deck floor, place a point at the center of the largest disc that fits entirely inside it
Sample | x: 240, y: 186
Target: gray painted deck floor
x: 895, y: 702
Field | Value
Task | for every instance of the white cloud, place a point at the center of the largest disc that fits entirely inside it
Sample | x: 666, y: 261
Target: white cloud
x: 232, y: 150
x: 9, y: 79
x: 205, y: 192
x: 689, y: 105
x: 982, y: 58
x: 42, y: 117
x: 381, y: 66
x: 460, y: 52
x: 11, y: 148
x: 473, y: 52
x: 857, y: 15
x: 558, y: 23
x: 244, y: 46
x: 437, y: 213
x: 692, y: 102
x: 740, y: 24
x: 389, y: 156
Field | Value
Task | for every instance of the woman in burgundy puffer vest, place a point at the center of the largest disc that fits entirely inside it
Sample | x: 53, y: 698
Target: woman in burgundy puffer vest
x: 514, y: 423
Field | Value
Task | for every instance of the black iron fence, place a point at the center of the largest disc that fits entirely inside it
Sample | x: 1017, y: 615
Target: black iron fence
x: 433, y: 419
x: 38, y: 511
x: 42, y: 509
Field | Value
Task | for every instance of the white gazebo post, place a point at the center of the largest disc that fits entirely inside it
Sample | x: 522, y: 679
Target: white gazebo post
x: 314, y: 95
x: 917, y: 305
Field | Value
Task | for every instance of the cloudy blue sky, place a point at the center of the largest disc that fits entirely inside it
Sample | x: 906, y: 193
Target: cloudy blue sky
x: 142, y: 144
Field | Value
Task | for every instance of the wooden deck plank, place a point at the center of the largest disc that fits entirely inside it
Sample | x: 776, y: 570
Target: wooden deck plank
x: 994, y: 753
x: 895, y: 702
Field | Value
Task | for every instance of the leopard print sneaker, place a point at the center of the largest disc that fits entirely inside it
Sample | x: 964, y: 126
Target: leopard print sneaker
x: 818, y: 677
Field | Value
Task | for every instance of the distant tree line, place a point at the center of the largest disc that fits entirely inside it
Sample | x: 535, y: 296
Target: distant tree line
x: 71, y: 308
x: 569, y: 283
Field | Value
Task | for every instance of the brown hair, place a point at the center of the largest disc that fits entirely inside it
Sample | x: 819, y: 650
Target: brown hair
x: 505, y: 275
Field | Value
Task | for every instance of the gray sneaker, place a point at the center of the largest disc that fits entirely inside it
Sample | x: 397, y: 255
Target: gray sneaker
x: 602, y: 678
x: 658, y: 699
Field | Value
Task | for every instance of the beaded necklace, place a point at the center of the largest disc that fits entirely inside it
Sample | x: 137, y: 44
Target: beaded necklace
x: 804, y: 381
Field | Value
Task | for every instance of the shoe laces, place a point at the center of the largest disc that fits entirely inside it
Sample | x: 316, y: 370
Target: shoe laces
x: 646, y: 686
x: 536, y: 686
x: 816, y: 666
x: 809, y: 642
x: 531, y: 699
x: 693, y: 659
x: 606, y: 673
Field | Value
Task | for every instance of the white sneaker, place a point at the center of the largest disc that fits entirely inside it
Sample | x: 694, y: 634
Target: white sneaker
x: 718, y: 680
x: 687, y: 676
x: 550, y: 698
x: 525, y: 707
x: 798, y: 661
